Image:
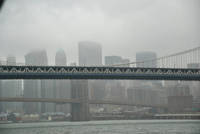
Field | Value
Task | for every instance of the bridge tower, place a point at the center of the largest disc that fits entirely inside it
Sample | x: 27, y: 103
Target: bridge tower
x: 79, y: 90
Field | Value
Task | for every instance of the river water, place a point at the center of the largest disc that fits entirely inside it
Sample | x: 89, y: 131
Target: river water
x: 105, y: 127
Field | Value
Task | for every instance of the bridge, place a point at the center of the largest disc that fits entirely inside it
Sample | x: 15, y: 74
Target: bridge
x: 171, y: 67
x: 70, y: 72
x: 76, y: 101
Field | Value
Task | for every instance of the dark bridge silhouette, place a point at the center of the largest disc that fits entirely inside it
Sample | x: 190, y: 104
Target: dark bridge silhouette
x: 70, y: 72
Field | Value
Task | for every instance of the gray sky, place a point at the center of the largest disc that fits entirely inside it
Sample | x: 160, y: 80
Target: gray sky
x: 123, y: 27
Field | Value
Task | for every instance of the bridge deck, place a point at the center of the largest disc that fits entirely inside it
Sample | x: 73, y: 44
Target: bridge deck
x: 69, y: 72
x: 62, y: 101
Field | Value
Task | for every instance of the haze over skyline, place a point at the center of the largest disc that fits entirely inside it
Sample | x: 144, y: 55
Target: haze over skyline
x: 121, y: 27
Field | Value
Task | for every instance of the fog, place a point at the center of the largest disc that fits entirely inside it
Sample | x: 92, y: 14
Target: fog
x: 123, y: 27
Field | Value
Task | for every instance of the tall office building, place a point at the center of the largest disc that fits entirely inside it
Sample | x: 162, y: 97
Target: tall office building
x: 143, y: 95
x: 1, y: 106
x: 49, y: 87
x: 149, y: 57
x: 90, y: 53
x: 35, y: 88
x: 113, y: 60
x: 146, y: 59
x: 151, y: 90
x: 62, y: 87
x: 194, y: 85
x: 11, y: 88
x: 11, y: 60
x: 97, y: 89
x: 116, y: 89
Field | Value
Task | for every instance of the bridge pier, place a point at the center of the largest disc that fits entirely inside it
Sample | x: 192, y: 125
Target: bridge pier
x: 79, y: 90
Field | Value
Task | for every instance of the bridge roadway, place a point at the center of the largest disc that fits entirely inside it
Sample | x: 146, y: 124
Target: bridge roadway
x: 92, y: 72
x: 63, y: 101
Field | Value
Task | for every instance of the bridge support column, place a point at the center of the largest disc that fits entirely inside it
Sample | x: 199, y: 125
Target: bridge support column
x: 79, y: 90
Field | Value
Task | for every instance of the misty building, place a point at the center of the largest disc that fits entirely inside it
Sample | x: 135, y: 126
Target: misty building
x: 148, y: 58
x: 11, y: 88
x: 115, y: 60
x: 90, y: 54
x: 112, y: 60
x: 143, y: 95
x: 11, y: 60
x: 194, y: 85
x: 179, y: 98
x: 35, y: 88
x: 116, y: 89
x: 97, y: 89
x: 179, y: 90
x: 1, y: 104
x: 62, y: 87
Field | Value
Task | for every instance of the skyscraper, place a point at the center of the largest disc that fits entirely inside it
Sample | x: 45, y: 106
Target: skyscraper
x: 11, y: 88
x: 1, y: 106
x: 194, y: 85
x: 112, y: 60
x: 90, y: 53
x: 11, y: 60
x: 62, y: 87
x: 35, y: 88
x: 148, y: 57
x: 60, y: 59
x: 146, y: 90
x: 114, y: 88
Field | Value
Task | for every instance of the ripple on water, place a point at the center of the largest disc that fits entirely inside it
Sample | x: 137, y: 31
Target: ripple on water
x: 106, y: 127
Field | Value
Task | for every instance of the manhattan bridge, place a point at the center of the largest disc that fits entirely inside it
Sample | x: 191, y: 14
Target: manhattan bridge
x: 178, y: 66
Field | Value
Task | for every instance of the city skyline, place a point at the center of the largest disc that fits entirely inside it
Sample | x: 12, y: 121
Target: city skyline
x: 99, y: 66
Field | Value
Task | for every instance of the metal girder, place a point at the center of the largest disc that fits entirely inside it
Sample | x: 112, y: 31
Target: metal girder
x: 80, y: 72
x: 63, y: 101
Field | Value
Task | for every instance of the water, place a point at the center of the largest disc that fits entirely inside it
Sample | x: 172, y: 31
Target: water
x: 105, y: 127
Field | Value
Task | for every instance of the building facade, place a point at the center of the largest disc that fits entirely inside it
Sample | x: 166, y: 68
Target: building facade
x: 90, y: 53
x: 146, y: 59
x: 116, y: 88
x: 11, y: 88
x: 62, y: 87
x: 35, y: 88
